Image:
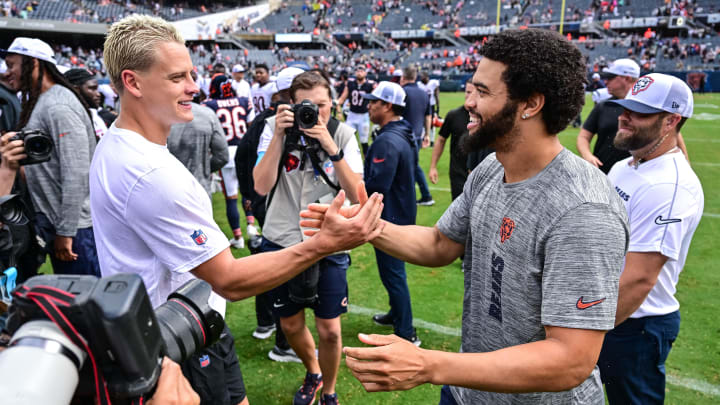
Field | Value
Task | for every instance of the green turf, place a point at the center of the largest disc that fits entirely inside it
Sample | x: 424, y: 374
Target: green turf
x: 437, y: 293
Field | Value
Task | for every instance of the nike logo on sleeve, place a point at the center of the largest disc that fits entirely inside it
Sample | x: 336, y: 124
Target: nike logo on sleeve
x: 378, y: 160
x: 585, y: 305
x: 661, y: 221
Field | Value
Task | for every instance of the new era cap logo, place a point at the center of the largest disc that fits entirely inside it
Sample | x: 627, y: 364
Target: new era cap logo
x: 641, y: 85
x: 675, y: 104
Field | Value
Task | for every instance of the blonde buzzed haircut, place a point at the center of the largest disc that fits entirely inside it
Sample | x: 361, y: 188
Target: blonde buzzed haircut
x: 130, y: 44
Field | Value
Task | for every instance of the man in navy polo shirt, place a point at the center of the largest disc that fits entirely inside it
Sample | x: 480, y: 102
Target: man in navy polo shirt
x: 389, y: 170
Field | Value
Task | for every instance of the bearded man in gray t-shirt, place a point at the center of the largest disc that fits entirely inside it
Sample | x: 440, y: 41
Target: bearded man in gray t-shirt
x: 543, y: 233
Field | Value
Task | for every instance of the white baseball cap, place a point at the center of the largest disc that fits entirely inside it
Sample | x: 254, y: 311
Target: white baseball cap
x: 623, y: 67
x: 286, y: 76
x: 595, y: 76
x: 238, y: 69
x: 388, y: 92
x: 32, y: 47
x: 3, y: 67
x: 398, y: 73
x: 656, y: 93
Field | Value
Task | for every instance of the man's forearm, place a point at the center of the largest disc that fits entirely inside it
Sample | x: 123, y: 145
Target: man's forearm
x: 632, y: 293
x: 278, y: 267
x: 541, y: 366
x: 583, y: 142
x: 437, y: 151
x: 265, y: 172
x: 348, y: 179
x: 428, y: 121
x: 419, y: 245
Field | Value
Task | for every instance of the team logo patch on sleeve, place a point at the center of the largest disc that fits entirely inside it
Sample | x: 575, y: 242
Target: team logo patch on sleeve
x: 204, y: 361
x: 642, y: 84
x: 199, y: 237
x: 506, y: 229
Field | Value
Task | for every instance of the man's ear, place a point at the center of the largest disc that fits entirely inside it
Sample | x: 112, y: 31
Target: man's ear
x: 533, y: 105
x: 131, y: 82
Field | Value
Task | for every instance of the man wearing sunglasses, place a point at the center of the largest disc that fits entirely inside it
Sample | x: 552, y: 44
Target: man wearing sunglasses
x: 619, y: 77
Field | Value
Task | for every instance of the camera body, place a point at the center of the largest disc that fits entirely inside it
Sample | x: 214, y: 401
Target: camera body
x: 126, y: 336
x: 306, y: 116
x: 38, y: 146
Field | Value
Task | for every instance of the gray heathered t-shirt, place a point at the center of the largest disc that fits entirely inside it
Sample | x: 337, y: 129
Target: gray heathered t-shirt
x: 200, y: 145
x: 537, y: 252
x: 60, y: 187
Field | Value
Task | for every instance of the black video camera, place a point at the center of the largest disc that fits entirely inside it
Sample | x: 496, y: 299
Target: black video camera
x: 117, y: 329
x: 306, y: 116
x: 38, y: 146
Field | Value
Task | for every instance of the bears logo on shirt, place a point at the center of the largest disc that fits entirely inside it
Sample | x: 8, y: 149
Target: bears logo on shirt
x: 642, y: 84
x: 506, y: 229
x: 292, y: 162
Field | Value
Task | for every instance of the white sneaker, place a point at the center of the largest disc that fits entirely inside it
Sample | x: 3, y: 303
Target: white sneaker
x: 263, y: 332
x: 237, y: 243
x: 251, y: 230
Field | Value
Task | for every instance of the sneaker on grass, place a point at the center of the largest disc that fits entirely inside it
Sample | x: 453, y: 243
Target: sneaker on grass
x: 326, y: 399
x: 284, y: 356
x: 308, y: 390
x: 263, y: 332
x: 237, y: 243
x: 427, y: 201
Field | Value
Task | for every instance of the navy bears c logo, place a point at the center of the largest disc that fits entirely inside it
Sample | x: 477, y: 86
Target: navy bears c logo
x: 641, y: 85
x: 506, y: 229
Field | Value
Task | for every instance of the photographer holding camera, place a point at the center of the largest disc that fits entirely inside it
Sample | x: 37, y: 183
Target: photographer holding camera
x: 154, y: 219
x: 305, y: 157
x: 56, y: 149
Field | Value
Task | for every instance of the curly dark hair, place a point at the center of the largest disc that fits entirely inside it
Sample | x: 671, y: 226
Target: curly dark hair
x: 541, y: 62
x: 31, y: 89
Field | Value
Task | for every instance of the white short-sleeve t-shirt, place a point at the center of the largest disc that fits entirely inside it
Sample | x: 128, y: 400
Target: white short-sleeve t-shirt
x: 664, y: 201
x: 150, y: 215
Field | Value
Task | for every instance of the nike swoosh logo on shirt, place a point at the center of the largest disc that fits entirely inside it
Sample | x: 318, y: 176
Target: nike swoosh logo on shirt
x: 275, y: 304
x: 585, y: 305
x: 377, y: 160
x: 661, y: 221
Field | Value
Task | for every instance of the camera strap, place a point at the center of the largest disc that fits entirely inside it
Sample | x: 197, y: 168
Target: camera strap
x: 49, y: 299
x: 332, y: 126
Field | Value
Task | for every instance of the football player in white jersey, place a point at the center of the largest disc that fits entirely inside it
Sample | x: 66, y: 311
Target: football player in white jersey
x: 431, y: 87
x: 263, y: 89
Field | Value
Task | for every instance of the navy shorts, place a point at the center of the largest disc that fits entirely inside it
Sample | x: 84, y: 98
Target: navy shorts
x: 214, y: 372
x: 332, y: 288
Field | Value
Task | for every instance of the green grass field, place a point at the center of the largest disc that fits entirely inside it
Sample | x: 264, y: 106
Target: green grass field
x: 694, y: 363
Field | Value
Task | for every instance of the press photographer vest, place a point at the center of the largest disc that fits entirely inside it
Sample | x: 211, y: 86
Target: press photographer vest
x: 298, y: 186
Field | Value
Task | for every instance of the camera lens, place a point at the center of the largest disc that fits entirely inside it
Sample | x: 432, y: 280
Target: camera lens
x: 37, y: 145
x: 187, y: 322
x: 11, y: 210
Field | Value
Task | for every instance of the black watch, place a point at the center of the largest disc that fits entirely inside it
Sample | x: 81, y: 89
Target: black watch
x: 338, y: 157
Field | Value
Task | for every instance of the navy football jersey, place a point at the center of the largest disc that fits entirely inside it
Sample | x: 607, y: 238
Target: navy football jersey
x: 234, y: 114
x: 358, y: 104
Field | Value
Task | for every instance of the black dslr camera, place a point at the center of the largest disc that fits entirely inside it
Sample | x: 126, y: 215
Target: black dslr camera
x: 38, y: 146
x: 306, y: 116
x: 111, y: 322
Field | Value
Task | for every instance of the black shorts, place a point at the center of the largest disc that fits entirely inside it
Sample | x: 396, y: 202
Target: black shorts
x: 332, y: 288
x: 214, y: 372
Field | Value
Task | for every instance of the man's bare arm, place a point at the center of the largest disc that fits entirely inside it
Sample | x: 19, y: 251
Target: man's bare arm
x: 436, y: 153
x: 638, y: 278
x: 563, y: 360
x: 236, y: 279
x: 583, y: 147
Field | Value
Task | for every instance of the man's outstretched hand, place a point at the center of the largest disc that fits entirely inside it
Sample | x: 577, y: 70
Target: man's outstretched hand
x: 394, y: 364
x: 343, y: 228
x: 316, y: 213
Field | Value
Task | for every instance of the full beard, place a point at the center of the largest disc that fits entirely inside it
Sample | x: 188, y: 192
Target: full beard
x: 497, y: 132
x: 642, y: 137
